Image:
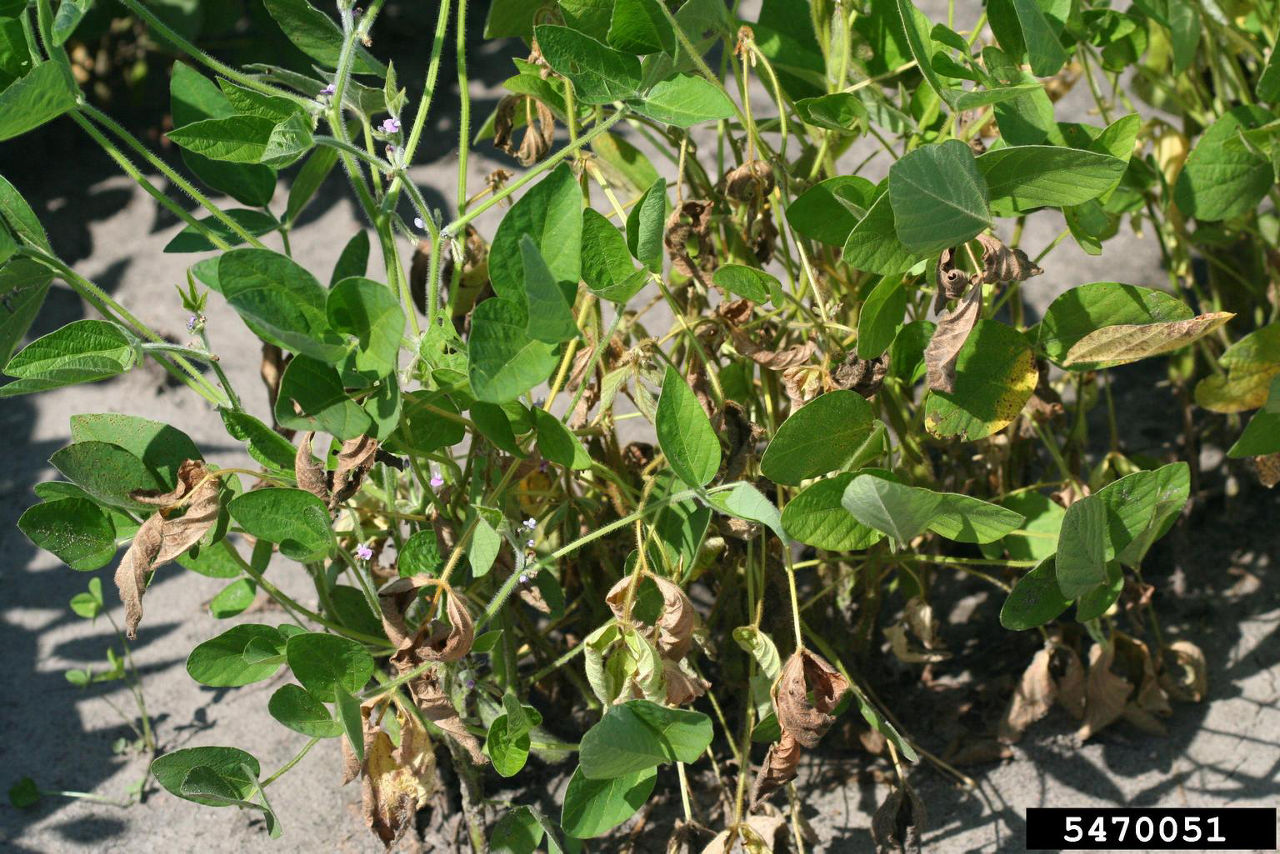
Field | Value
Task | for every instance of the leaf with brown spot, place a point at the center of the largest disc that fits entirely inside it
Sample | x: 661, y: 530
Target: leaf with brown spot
x: 308, y: 470
x: 1031, y: 700
x: 953, y: 330
x: 1185, y: 675
x: 949, y: 280
x: 160, y: 540
x: 779, y: 768
x: 1002, y: 264
x: 865, y: 376
x: 803, y: 673
x: 1128, y: 342
x: 1105, y: 692
x: 355, y: 458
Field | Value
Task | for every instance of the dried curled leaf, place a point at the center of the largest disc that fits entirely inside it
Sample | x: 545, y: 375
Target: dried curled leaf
x: 672, y: 632
x: 1186, y: 675
x: 1032, y: 699
x: 434, y: 640
x: 944, y: 347
x: 683, y: 685
x: 779, y: 768
x: 355, y: 458
x: 898, y: 822
x: 1129, y: 342
x: 865, y: 376
x: 308, y: 470
x: 1149, y: 701
x: 1267, y: 468
x: 678, y: 233
x: 160, y: 540
x: 950, y: 280
x: 1105, y: 692
x: 539, y: 130
x: 437, y: 708
x: 803, y: 673
x: 1002, y: 264
x: 748, y: 182
x: 398, y: 781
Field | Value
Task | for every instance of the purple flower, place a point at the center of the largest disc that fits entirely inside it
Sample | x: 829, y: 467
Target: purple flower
x: 419, y: 224
x: 524, y: 579
x: 436, y: 481
x: 530, y: 523
x: 363, y: 552
x: 529, y: 543
x: 391, y: 125
x: 471, y: 684
x: 191, y: 323
x: 327, y: 90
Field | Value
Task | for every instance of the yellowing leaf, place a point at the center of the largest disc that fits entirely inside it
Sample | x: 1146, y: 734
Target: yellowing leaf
x: 1129, y: 342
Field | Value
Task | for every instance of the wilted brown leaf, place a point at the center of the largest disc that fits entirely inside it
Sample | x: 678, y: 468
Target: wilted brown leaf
x: 953, y: 330
x: 757, y: 834
x: 435, y: 640
x: 308, y: 470
x: 672, y: 633
x: 898, y: 822
x: 160, y: 540
x: 1105, y: 693
x: 539, y: 130
x: 683, y: 685
x: 803, y: 673
x: 1070, y: 683
x: 779, y: 768
x: 436, y: 707
x: 904, y: 650
x: 398, y: 781
x: 1031, y: 700
x: 1185, y: 675
x: 865, y: 376
x: 355, y: 458
x: 948, y: 279
x: 1267, y: 468
x: 1129, y: 342
x: 748, y: 182
x: 678, y: 234
x: 1149, y: 701
x: 1002, y: 264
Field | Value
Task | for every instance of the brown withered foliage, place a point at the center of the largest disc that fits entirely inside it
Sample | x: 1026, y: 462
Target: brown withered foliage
x: 944, y: 347
x: 309, y: 472
x: 162, y: 539
x: 1032, y: 699
x: 1185, y: 675
x: 539, y: 132
x: 678, y: 232
x: 672, y: 632
x: 865, y: 376
x: 1002, y: 264
x: 274, y: 361
x: 751, y: 181
x: 802, y: 722
x: 396, y: 781
x: 355, y: 458
x: 1105, y: 693
x: 898, y: 822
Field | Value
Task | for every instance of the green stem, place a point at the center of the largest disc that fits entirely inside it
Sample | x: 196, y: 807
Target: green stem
x: 464, y: 108
x: 284, y: 769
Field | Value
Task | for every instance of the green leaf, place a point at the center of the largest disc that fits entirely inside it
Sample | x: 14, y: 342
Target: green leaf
x: 241, y: 655
x: 371, y: 312
x: 839, y: 111
x: 162, y: 448
x: 315, y: 34
x: 313, y: 396
x: 280, y: 301
x: 939, y: 198
x: 920, y: 44
x: 43, y: 94
x: 23, y: 221
x: 107, y: 472
x: 234, y: 139
x: 194, y: 97
x: 1125, y: 343
x: 248, y: 102
x: 1269, y: 81
x: 1096, y: 602
x: 507, y: 742
x: 23, y: 286
x: 1141, y: 507
x: 233, y: 599
x: 873, y: 244
x: 821, y: 436
x: 308, y: 180
x: 995, y: 95
x: 639, y: 26
x: 348, y: 709
x: 83, y: 351
x: 549, y: 308
x: 607, y: 267
x: 324, y: 663
x: 594, y: 807
x: 485, y: 545
x: 224, y: 774
x: 422, y: 430
x: 70, y: 13
x: 1224, y: 178
x: 829, y: 210
x: 89, y: 605
x: 685, y: 434
x: 298, y: 709
x: 750, y: 282
x: 970, y: 520
x: 1081, y: 561
x: 995, y: 376
x: 354, y: 259
x: 1080, y: 312
x: 600, y: 74
x: 903, y: 512
x: 881, y: 317
x: 817, y: 517
x: 420, y: 555
x: 494, y: 424
x: 747, y: 502
x: 558, y: 444
x: 551, y: 214
x: 645, y: 222
x: 1032, y: 176
x: 639, y: 734
x: 265, y: 445
x: 1041, y: 38
x: 1038, y: 536
x: 191, y: 239
x: 1034, y: 600
x: 294, y: 519
x: 1261, y: 435
x: 517, y: 832
x: 683, y: 101
x: 75, y: 530
x: 503, y: 361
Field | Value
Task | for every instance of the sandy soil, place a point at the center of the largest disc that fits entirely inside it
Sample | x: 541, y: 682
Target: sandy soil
x: 1218, y: 580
